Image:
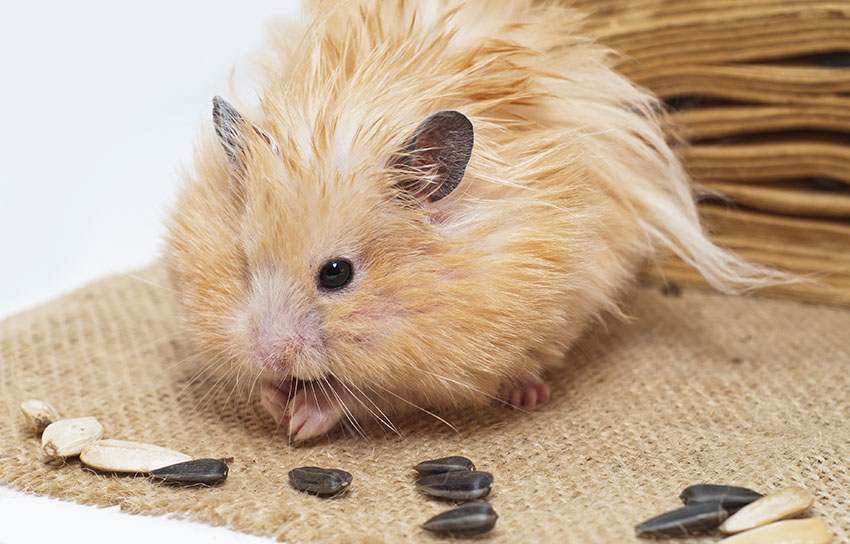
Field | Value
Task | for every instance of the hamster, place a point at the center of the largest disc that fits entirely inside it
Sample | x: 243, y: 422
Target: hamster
x: 433, y: 201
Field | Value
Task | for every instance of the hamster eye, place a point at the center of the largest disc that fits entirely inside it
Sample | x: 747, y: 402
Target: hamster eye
x: 335, y: 274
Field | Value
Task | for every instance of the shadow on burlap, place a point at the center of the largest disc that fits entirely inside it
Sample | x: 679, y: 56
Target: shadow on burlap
x: 698, y: 388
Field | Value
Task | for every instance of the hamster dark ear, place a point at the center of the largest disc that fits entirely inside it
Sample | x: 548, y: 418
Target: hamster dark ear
x: 437, y: 155
x: 230, y: 127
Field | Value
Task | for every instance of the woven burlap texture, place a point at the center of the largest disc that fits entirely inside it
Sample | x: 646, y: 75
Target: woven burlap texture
x: 696, y: 388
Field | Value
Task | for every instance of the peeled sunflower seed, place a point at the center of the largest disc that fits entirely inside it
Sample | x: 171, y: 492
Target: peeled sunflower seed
x: 196, y: 471
x: 803, y: 531
x: 39, y: 414
x: 460, y: 485
x: 728, y: 496
x: 444, y: 464
x: 126, y: 456
x: 694, y: 518
x: 67, y: 437
x: 474, y: 518
x: 320, y: 481
x: 776, y: 506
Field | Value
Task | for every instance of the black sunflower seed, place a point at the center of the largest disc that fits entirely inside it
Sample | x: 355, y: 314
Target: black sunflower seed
x: 444, y: 464
x: 320, y: 481
x: 459, y: 485
x: 474, y: 518
x: 196, y: 471
x: 730, y: 497
x: 695, y: 518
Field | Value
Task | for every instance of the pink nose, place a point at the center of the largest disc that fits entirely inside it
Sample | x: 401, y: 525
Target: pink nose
x: 281, y: 337
x: 277, y: 354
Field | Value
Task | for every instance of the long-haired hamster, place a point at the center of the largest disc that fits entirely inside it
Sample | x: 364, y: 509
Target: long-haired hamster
x: 432, y: 202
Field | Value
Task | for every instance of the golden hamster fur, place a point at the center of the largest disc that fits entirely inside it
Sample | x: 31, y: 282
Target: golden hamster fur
x: 433, y: 202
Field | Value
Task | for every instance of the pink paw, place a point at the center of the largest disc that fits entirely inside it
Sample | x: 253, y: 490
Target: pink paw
x: 308, y: 409
x: 527, y: 394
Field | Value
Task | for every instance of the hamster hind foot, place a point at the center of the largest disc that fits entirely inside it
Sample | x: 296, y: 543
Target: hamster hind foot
x: 526, y: 394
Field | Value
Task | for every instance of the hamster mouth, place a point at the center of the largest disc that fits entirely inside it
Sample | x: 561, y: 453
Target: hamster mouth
x: 310, y: 407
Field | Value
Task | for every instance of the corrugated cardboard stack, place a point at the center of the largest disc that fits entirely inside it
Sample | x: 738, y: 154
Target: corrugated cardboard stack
x: 761, y: 92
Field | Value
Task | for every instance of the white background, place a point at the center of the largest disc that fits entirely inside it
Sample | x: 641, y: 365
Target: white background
x: 100, y: 104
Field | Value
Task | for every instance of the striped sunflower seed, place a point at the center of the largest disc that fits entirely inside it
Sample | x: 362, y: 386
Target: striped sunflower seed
x: 808, y: 531
x: 196, y: 471
x: 126, y: 456
x: 67, y: 437
x: 729, y: 497
x: 776, y: 506
x: 460, y: 485
x: 320, y: 481
x: 444, y: 464
x: 474, y: 518
x: 39, y: 414
x: 694, y: 518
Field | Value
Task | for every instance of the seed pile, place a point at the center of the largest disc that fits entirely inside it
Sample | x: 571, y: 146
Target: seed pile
x: 82, y: 436
x: 740, y: 510
x: 455, y: 478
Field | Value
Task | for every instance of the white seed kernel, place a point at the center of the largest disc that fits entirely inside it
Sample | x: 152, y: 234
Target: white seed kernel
x: 126, y: 456
x: 39, y: 414
x: 802, y: 531
x: 776, y: 506
x: 66, y: 437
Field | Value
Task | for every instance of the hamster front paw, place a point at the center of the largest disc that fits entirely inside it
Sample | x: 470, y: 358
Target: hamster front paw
x: 313, y: 413
x: 310, y: 408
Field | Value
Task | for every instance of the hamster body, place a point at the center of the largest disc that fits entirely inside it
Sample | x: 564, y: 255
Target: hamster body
x: 435, y: 199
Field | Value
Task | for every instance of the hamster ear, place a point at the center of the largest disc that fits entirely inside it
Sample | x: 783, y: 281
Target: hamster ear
x: 437, y: 155
x: 230, y: 127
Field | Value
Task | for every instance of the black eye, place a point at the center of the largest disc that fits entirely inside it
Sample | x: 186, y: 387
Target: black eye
x: 335, y: 274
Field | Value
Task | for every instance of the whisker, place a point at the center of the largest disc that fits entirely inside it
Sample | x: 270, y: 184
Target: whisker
x: 149, y: 282
x: 432, y: 414
x: 206, y: 369
x: 348, y: 414
x: 148, y: 344
x: 385, y: 419
x: 250, y: 407
x: 475, y: 389
x: 218, y: 383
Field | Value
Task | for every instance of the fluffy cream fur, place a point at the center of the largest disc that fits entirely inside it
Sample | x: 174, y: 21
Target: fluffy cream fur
x: 570, y: 188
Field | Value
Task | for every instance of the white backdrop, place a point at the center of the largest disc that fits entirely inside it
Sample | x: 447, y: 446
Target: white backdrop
x: 100, y: 104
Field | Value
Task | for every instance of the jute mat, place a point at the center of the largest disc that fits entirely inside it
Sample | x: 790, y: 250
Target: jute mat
x: 698, y: 388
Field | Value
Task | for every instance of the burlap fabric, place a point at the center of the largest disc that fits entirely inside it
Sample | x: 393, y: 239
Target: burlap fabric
x: 697, y: 388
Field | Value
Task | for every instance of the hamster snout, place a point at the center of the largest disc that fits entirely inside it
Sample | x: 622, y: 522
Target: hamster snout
x: 287, y: 338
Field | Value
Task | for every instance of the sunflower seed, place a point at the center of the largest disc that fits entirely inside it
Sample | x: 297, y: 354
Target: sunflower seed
x: 474, y: 518
x: 66, y: 437
x: 694, y: 518
x: 729, y: 497
x: 808, y: 531
x: 126, y: 456
x: 444, y: 464
x: 39, y: 414
x: 460, y: 485
x: 320, y: 481
x: 196, y: 471
x: 779, y: 505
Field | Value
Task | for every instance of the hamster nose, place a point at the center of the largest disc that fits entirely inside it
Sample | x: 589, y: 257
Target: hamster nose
x: 283, y: 339
x: 277, y: 354
x: 284, y: 347
x: 274, y: 361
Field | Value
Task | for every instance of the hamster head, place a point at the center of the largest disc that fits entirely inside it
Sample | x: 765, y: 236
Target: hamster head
x: 337, y: 290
